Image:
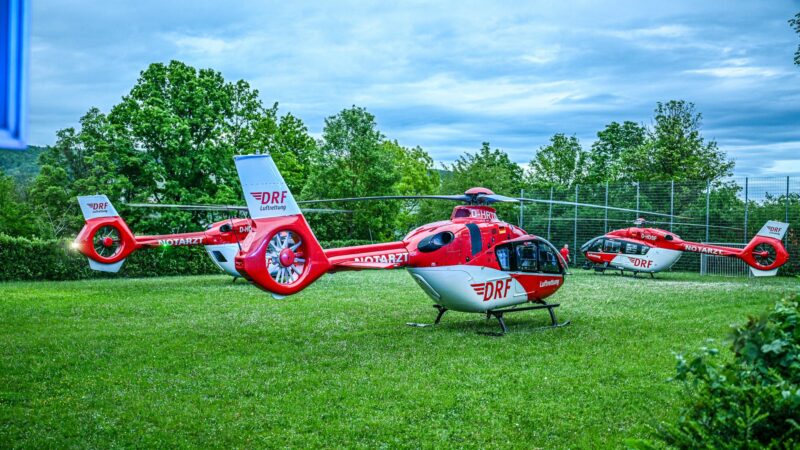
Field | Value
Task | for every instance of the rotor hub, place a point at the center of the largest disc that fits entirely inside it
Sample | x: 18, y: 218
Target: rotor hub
x: 286, y: 257
x: 107, y: 241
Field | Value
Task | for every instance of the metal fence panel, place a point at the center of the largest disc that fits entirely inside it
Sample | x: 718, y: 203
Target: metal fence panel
x: 731, y: 210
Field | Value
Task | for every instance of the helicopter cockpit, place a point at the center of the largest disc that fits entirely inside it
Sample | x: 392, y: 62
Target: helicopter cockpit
x: 531, y: 256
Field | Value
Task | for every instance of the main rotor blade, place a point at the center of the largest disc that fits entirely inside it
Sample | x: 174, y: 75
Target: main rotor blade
x: 455, y: 198
x: 494, y: 198
x: 589, y: 205
x: 226, y: 208
x: 698, y: 225
x: 600, y: 219
x: 188, y: 207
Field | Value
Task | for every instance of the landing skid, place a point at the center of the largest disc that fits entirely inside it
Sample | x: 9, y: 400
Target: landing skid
x: 498, y: 314
x: 441, y: 309
x: 603, y: 268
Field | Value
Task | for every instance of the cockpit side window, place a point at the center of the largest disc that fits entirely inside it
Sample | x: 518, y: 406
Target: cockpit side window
x: 548, y: 262
x: 597, y: 245
x: 611, y: 246
x: 526, y: 257
x: 503, y: 253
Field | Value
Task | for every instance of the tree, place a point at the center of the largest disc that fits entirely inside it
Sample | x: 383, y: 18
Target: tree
x: 677, y: 150
x: 491, y: 169
x: 795, y: 23
x: 417, y: 174
x: 562, y: 162
x: 417, y: 177
x: 80, y: 163
x: 607, y: 161
x: 293, y: 149
x: 352, y: 162
x: 182, y: 127
x: 171, y: 140
x: 16, y: 217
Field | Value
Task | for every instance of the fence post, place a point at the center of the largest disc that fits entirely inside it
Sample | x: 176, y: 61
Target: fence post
x: 575, y: 229
x: 550, y: 213
x: 605, y: 226
x: 708, y: 207
x: 746, y: 205
x: 671, y: 203
x: 521, y: 208
x: 786, y: 237
x: 637, y: 200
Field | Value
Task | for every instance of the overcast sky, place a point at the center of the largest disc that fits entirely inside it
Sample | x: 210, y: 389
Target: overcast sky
x: 451, y: 75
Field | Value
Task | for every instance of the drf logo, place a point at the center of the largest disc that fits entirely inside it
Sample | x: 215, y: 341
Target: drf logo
x: 98, y: 207
x: 776, y: 230
x: 639, y: 262
x: 266, y: 198
x: 492, y: 290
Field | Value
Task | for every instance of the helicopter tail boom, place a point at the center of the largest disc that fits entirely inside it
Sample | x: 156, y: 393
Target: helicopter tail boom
x: 764, y: 254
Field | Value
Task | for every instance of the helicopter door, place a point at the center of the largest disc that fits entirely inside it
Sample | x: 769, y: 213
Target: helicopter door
x: 534, y: 262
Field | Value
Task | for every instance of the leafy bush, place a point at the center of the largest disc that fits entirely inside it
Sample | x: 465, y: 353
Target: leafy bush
x: 752, y: 401
x: 36, y: 259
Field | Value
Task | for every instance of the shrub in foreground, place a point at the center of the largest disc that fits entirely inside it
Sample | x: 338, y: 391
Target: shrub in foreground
x: 751, y: 401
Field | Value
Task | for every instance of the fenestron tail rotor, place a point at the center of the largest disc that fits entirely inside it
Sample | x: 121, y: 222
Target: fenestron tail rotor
x: 107, y: 241
x: 765, y: 254
x: 285, y: 257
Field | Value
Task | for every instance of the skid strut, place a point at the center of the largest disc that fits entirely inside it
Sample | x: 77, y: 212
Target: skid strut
x: 441, y: 309
x: 498, y: 313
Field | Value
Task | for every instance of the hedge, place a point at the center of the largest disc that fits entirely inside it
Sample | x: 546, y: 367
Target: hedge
x: 36, y: 259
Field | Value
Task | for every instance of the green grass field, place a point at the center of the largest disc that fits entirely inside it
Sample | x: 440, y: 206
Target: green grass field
x: 178, y: 362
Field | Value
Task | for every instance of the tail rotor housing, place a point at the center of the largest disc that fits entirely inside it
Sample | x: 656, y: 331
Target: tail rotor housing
x: 105, y: 238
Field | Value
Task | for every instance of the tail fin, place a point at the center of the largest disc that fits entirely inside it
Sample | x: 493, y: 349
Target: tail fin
x: 281, y: 255
x: 765, y: 253
x: 105, y: 239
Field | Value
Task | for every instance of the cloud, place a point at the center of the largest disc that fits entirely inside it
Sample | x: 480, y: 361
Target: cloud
x: 738, y: 68
x: 661, y: 31
x: 446, y: 75
x: 201, y: 44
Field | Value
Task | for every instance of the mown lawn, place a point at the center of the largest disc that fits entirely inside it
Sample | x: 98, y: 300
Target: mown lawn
x: 179, y: 362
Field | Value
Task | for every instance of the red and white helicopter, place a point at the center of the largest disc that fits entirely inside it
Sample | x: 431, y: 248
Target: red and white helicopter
x: 650, y: 250
x: 221, y: 239
x: 473, y: 262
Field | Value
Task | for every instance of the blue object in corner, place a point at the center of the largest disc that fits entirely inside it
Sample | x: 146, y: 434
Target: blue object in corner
x: 14, y: 30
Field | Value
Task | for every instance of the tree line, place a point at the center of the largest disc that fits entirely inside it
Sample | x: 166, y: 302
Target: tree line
x: 172, y: 139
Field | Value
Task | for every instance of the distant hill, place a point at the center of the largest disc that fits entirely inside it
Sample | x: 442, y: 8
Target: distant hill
x: 21, y: 165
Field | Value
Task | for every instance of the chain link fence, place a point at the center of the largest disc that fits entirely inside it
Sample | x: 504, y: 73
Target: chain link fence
x: 727, y: 211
